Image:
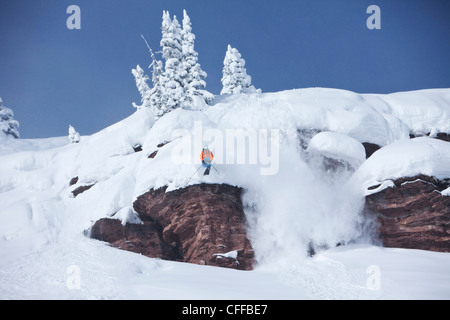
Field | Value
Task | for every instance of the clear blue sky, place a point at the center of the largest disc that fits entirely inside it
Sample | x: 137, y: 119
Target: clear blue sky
x: 52, y: 77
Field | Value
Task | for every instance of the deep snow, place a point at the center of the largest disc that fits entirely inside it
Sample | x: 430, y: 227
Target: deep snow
x: 292, y: 204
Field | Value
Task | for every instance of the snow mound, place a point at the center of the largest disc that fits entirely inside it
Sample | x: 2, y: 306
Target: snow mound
x: 338, y: 146
x: 405, y: 158
x: 446, y: 192
x: 422, y: 111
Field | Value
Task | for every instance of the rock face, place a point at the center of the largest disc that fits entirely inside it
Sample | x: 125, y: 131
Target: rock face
x: 413, y: 214
x: 203, y: 224
x: 143, y: 238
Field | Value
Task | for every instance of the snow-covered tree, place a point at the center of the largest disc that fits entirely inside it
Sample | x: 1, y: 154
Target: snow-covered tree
x: 74, y: 136
x: 179, y: 80
x: 156, y: 92
x: 151, y: 97
x: 8, y: 125
x: 235, y: 78
x: 194, y: 82
x: 173, y: 78
x: 143, y: 88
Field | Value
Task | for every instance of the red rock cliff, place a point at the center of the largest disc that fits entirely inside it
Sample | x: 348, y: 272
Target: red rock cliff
x: 203, y: 224
x: 413, y: 214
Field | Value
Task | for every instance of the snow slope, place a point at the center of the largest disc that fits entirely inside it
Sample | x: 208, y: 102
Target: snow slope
x: 291, y: 204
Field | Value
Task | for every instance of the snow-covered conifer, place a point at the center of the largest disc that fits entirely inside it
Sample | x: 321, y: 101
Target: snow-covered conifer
x: 194, y: 82
x: 8, y: 125
x: 156, y: 92
x: 155, y: 95
x: 172, y: 80
x: 74, y: 136
x: 235, y: 78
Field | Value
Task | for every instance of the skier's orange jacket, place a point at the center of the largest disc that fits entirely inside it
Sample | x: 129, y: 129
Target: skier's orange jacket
x: 206, y: 154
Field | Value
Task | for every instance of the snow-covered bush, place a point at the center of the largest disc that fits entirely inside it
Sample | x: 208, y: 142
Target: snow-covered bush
x: 74, y: 136
x: 8, y: 125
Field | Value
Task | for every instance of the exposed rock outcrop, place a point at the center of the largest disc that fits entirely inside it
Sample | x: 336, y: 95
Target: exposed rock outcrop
x: 370, y: 148
x: 203, y: 224
x: 82, y: 189
x: 154, y: 153
x: 413, y: 214
x: 439, y: 135
x: 443, y: 136
x: 137, y: 147
x: 73, y: 181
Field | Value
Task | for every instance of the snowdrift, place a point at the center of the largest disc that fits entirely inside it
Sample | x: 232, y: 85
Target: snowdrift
x: 265, y: 143
x: 405, y: 158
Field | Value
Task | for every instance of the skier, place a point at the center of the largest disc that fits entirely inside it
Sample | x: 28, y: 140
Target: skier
x: 207, y: 157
